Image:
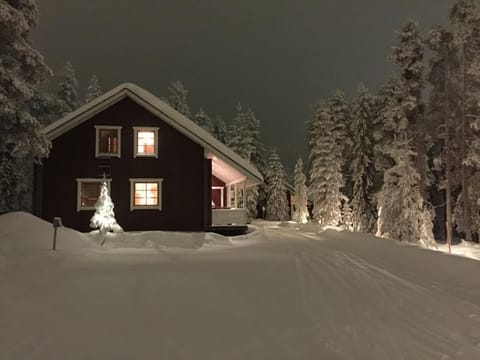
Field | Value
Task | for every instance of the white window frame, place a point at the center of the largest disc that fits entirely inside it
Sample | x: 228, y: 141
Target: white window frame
x: 79, y: 189
x: 221, y: 194
x: 97, y: 139
x: 135, y: 141
x: 132, y: 194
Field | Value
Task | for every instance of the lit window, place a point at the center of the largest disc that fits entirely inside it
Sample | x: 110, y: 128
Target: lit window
x: 146, y: 194
x: 145, y: 142
x: 88, y: 191
x: 108, y: 141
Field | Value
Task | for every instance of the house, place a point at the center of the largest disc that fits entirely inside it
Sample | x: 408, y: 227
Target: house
x: 164, y: 172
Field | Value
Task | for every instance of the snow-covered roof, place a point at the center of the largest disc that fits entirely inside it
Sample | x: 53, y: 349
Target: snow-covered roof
x: 161, y: 109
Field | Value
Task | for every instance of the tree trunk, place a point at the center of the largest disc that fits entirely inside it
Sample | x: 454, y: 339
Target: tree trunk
x: 467, y: 217
x: 421, y: 150
x: 448, y: 160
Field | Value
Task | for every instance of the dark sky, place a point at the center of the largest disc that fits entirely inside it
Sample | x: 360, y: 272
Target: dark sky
x: 275, y: 56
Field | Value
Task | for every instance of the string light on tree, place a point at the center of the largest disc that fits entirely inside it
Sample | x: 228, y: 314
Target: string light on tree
x: 104, y: 217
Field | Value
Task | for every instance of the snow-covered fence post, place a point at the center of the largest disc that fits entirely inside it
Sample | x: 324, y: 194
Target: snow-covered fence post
x: 57, y: 222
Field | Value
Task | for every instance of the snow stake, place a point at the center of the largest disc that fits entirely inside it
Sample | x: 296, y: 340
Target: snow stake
x: 57, y: 222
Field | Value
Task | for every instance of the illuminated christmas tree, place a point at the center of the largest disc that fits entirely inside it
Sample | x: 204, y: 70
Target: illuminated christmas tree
x: 104, y: 217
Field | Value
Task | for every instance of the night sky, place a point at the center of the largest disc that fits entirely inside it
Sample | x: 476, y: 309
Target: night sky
x: 274, y: 56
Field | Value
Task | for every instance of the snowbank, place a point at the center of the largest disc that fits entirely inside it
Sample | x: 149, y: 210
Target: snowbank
x: 291, y: 293
x: 23, y: 230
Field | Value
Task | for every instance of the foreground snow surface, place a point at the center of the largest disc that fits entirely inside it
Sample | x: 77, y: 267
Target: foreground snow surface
x: 277, y: 293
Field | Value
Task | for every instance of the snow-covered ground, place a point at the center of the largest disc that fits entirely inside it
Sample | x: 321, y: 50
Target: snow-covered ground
x: 280, y: 292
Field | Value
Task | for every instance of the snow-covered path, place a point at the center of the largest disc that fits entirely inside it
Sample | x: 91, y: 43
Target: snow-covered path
x: 280, y: 294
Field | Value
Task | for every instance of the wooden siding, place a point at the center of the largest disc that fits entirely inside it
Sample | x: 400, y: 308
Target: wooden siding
x: 180, y: 163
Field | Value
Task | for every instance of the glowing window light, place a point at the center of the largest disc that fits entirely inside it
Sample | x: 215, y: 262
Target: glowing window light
x: 146, y: 194
x: 146, y: 142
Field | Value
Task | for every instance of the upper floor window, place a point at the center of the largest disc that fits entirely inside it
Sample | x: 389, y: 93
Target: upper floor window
x: 145, y: 141
x: 108, y: 141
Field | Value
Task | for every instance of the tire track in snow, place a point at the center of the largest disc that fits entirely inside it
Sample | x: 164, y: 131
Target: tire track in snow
x: 357, y: 306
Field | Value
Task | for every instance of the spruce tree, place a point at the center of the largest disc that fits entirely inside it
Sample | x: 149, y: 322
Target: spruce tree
x: 244, y: 139
x: 220, y: 129
x: 67, y: 91
x: 22, y: 73
x: 43, y: 107
x: 203, y: 120
x: 408, y: 55
x: 362, y: 166
x: 402, y: 213
x: 443, y: 111
x: 93, y: 89
x: 301, y: 197
x: 104, y: 217
x: 326, y: 178
x: 177, y: 98
x: 277, y: 202
x: 244, y: 133
x: 465, y: 21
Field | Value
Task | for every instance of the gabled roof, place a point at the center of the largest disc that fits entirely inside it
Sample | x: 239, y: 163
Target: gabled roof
x: 166, y: 113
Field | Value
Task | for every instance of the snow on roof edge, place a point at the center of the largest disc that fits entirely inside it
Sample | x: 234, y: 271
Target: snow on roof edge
x: 158, y: 107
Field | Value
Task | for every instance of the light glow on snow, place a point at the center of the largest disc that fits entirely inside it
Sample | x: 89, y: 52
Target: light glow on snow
x: 283, y: 291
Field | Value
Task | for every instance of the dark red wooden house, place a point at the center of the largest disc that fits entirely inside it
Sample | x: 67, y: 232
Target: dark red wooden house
x: 164, y: 172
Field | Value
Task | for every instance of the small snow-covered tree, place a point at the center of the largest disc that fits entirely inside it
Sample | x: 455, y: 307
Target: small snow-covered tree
x: 203, y: 120
x: 362, y: 165
x: 67, y: 90
x: 277, y: 202
x: 104, y: 217
x: 22, y: 73
x: 93, y: 89
x: 300, y: 183
x: 177, y: 98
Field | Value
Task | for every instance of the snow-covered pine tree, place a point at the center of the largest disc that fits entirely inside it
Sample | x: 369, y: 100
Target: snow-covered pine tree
x: 442, y: 111
x: 177, y: 98
x: 326, y: 178
x: 300, y: 183
x: 43, y: 107
x: 465, y: 21
x: 408, y: 55
x: 94, y: 89
x: 340, y: 113
x: 244, y: 139
x: 402, y: 214
x: 202, y: 119
x: 277, y: 202
x: 22, y: 72
x: 362, y: 166
x: 67, y: 91
x: 220, y: 129
x: 104, y: 217
x: 243, y: 132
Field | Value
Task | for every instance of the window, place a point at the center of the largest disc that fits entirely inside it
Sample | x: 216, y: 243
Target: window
x: 108, y: 141
x: 146, y: 194
x: 145, y: 141
x: 88, y: 191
